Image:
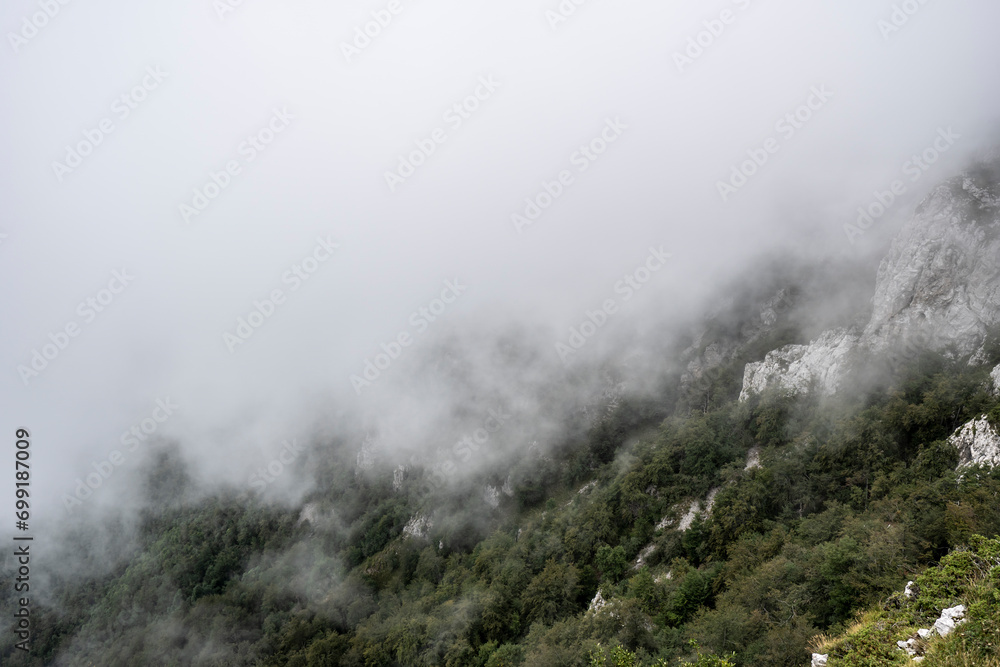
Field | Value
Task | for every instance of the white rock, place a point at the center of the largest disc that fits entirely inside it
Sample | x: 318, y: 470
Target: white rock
x: 508, y: 487
x: 978, y: 443
x: 979, y: 193
x: 693, y: 509
x: 796, y: 368
x: 753, y: 459
x: 910, y: 590
x: 908, y: 646
x: 995, y: 375
x: 665, y: 522
x: 643, y: 555
x: 710, y: 500
x: 944, y: 626
x: 397, y: 477
x: 310, y: 513
x: 949, y: 619
x: 924, y: 633
x: 819, y: 660
x: 418, y: 526
x: 597, y: 604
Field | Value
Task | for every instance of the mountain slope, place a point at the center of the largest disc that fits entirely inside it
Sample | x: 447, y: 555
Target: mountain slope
x: 652, y: 520
x: 938, y: 288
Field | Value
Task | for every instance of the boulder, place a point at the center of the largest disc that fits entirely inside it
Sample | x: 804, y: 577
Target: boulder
x: 950, y: 618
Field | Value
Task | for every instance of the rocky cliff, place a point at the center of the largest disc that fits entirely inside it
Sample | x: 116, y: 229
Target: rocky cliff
x: 938, y: 288
x: 978, y: 443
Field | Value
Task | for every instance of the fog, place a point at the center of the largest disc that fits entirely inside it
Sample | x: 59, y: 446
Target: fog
x: 263, y: 106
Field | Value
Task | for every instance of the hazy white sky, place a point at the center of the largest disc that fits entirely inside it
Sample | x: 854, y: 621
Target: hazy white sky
x: 308, y: 135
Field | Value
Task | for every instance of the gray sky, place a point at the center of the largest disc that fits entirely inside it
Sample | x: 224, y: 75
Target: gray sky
x: 679, y: 128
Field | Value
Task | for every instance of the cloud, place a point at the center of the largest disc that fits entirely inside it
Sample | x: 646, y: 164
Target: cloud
x: 227, y: 80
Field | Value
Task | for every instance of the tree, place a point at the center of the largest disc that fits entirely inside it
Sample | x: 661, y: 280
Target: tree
x: 612, y: 562
x: 552, y: 593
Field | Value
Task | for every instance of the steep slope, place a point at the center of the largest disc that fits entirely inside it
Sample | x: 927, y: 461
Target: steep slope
x: 940, y: 283
x: 950, y: 615
x: 938, y: 289
x: 978, y: 443
x: 654, y: 528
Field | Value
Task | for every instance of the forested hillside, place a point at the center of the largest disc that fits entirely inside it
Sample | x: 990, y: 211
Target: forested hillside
x: 527, y: 333
x: 740, y: 503
x: 821, y: 508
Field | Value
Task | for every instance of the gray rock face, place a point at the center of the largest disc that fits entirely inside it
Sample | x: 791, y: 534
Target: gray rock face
x: 938, y: 288
x: 978, y: 443
x: 703, y: 356
x: 796, y: 368
x: 417, y: 527
x: 940, y: 282
x: 693, y: 509
x: 996, y: 380
x: 597, y: 604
